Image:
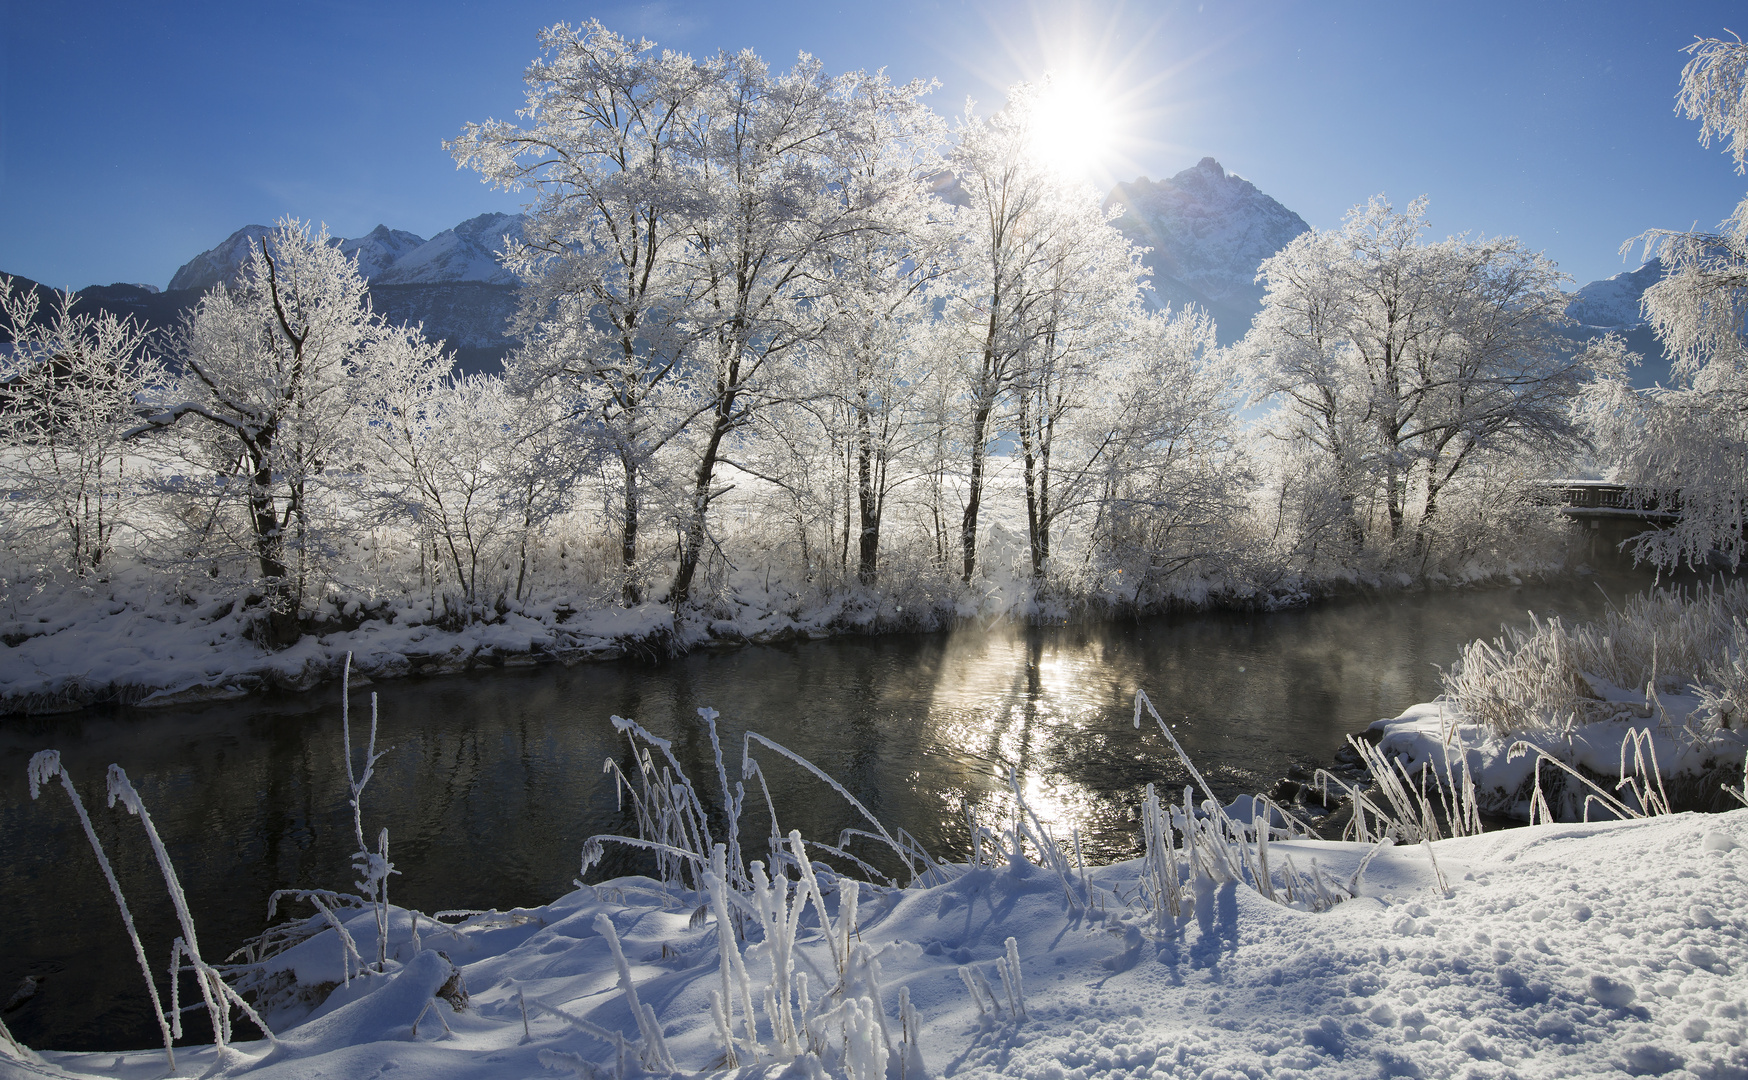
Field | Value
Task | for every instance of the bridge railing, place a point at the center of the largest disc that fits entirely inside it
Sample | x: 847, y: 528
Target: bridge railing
x: 1599, y: 495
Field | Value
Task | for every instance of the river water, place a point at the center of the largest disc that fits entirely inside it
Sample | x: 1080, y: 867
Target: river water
x: 494, y: 780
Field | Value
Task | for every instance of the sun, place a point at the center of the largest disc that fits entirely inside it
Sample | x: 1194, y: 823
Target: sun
x: 1071, y: 125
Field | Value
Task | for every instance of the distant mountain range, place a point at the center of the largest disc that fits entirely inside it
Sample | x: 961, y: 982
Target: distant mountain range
x: 1208, y: 231
x: 466, y: 253
x: 452, y: 284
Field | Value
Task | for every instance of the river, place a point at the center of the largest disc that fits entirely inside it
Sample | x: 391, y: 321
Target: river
x: 492, y: 781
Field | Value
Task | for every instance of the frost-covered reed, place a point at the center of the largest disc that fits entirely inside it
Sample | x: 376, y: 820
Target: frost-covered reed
x: 44, y: 766
x: 1660, y: 642
x: 776, y: 905
x: 219, y: 997
x: 1218, y: 850
x: 373, y: 866
x: 1411, y: 812
x: 251, y: 969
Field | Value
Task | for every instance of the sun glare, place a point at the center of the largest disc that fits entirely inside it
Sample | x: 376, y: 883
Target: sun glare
x: 1072, y: 124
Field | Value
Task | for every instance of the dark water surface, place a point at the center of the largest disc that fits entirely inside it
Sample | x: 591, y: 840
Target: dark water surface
x: 495, y: 780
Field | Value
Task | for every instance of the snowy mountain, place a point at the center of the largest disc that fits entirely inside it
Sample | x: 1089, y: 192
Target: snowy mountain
x: 1209, y: 231
x: 467, y: 252
x: 452, y: 284
x: 1614, y: 302
x: 380, y: 248
x: 1612, y: 305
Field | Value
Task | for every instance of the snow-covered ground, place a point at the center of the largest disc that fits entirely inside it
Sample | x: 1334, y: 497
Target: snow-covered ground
x: 1561, y: 950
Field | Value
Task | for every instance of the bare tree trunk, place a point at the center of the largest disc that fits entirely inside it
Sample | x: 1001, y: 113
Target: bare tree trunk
x: 868, y: 569
x: 692, y: 545
x: 974, y: 497
x: 282, y: 598
x: 629, y: 593
x: 1037, y: 482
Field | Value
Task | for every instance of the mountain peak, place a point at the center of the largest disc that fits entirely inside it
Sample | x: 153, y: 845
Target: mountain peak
x: 1209, y: 231
x: 222, y: 263
x: 468, y: 252
x: 379, y: 249
x: 1614, y: 301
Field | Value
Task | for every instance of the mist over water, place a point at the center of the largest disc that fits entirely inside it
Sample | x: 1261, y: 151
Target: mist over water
x: 495, y: 779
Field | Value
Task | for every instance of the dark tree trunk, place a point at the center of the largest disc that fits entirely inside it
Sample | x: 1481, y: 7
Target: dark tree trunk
x: 629, y: 592
x: 692, y: 547
x: 974, y: 497
x: 868, y: 498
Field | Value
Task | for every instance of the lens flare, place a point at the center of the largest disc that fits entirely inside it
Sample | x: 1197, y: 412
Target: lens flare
x: 1071, y: 125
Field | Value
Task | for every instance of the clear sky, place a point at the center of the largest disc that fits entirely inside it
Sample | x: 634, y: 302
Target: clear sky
x: 133, y: 136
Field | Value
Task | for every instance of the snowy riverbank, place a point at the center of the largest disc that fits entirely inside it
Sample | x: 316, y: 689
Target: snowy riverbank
x: 68, y: 644
x: 1565, y: 950
x: 139, y: 647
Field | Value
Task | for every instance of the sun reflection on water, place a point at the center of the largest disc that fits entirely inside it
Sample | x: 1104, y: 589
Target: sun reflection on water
x: 1020, y: 704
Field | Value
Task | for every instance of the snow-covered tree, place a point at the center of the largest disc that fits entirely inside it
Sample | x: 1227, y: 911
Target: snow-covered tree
x: 776, y: 197
x: 680, y: 248
x: 1686, y: 445
x: 1409, y: 365
x: 871, y: 360
x: 275, y: 371
x: 1154, y: 452
x: 1023, y: 226
x: 71, y: 385
x: 604, y: 147
x: 475, y: 467
x: 1091, y: 328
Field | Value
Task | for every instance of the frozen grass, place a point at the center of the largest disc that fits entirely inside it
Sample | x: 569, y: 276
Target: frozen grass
x: 1195, y: 856
x: 1663, y: 641
x: 1632, y: 715
x: 1411, y: 815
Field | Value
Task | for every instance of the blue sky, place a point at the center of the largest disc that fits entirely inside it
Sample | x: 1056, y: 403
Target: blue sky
x: 133, y: 136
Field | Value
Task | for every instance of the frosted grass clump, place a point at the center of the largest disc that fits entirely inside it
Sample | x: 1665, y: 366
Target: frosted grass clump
x: 764, y: 904
x: 1664, y: 641
x: 1412, y: 816
x: 1218, y: 850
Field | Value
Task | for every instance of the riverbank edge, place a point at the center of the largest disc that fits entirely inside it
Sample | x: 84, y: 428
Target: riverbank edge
x: 383, y: 650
